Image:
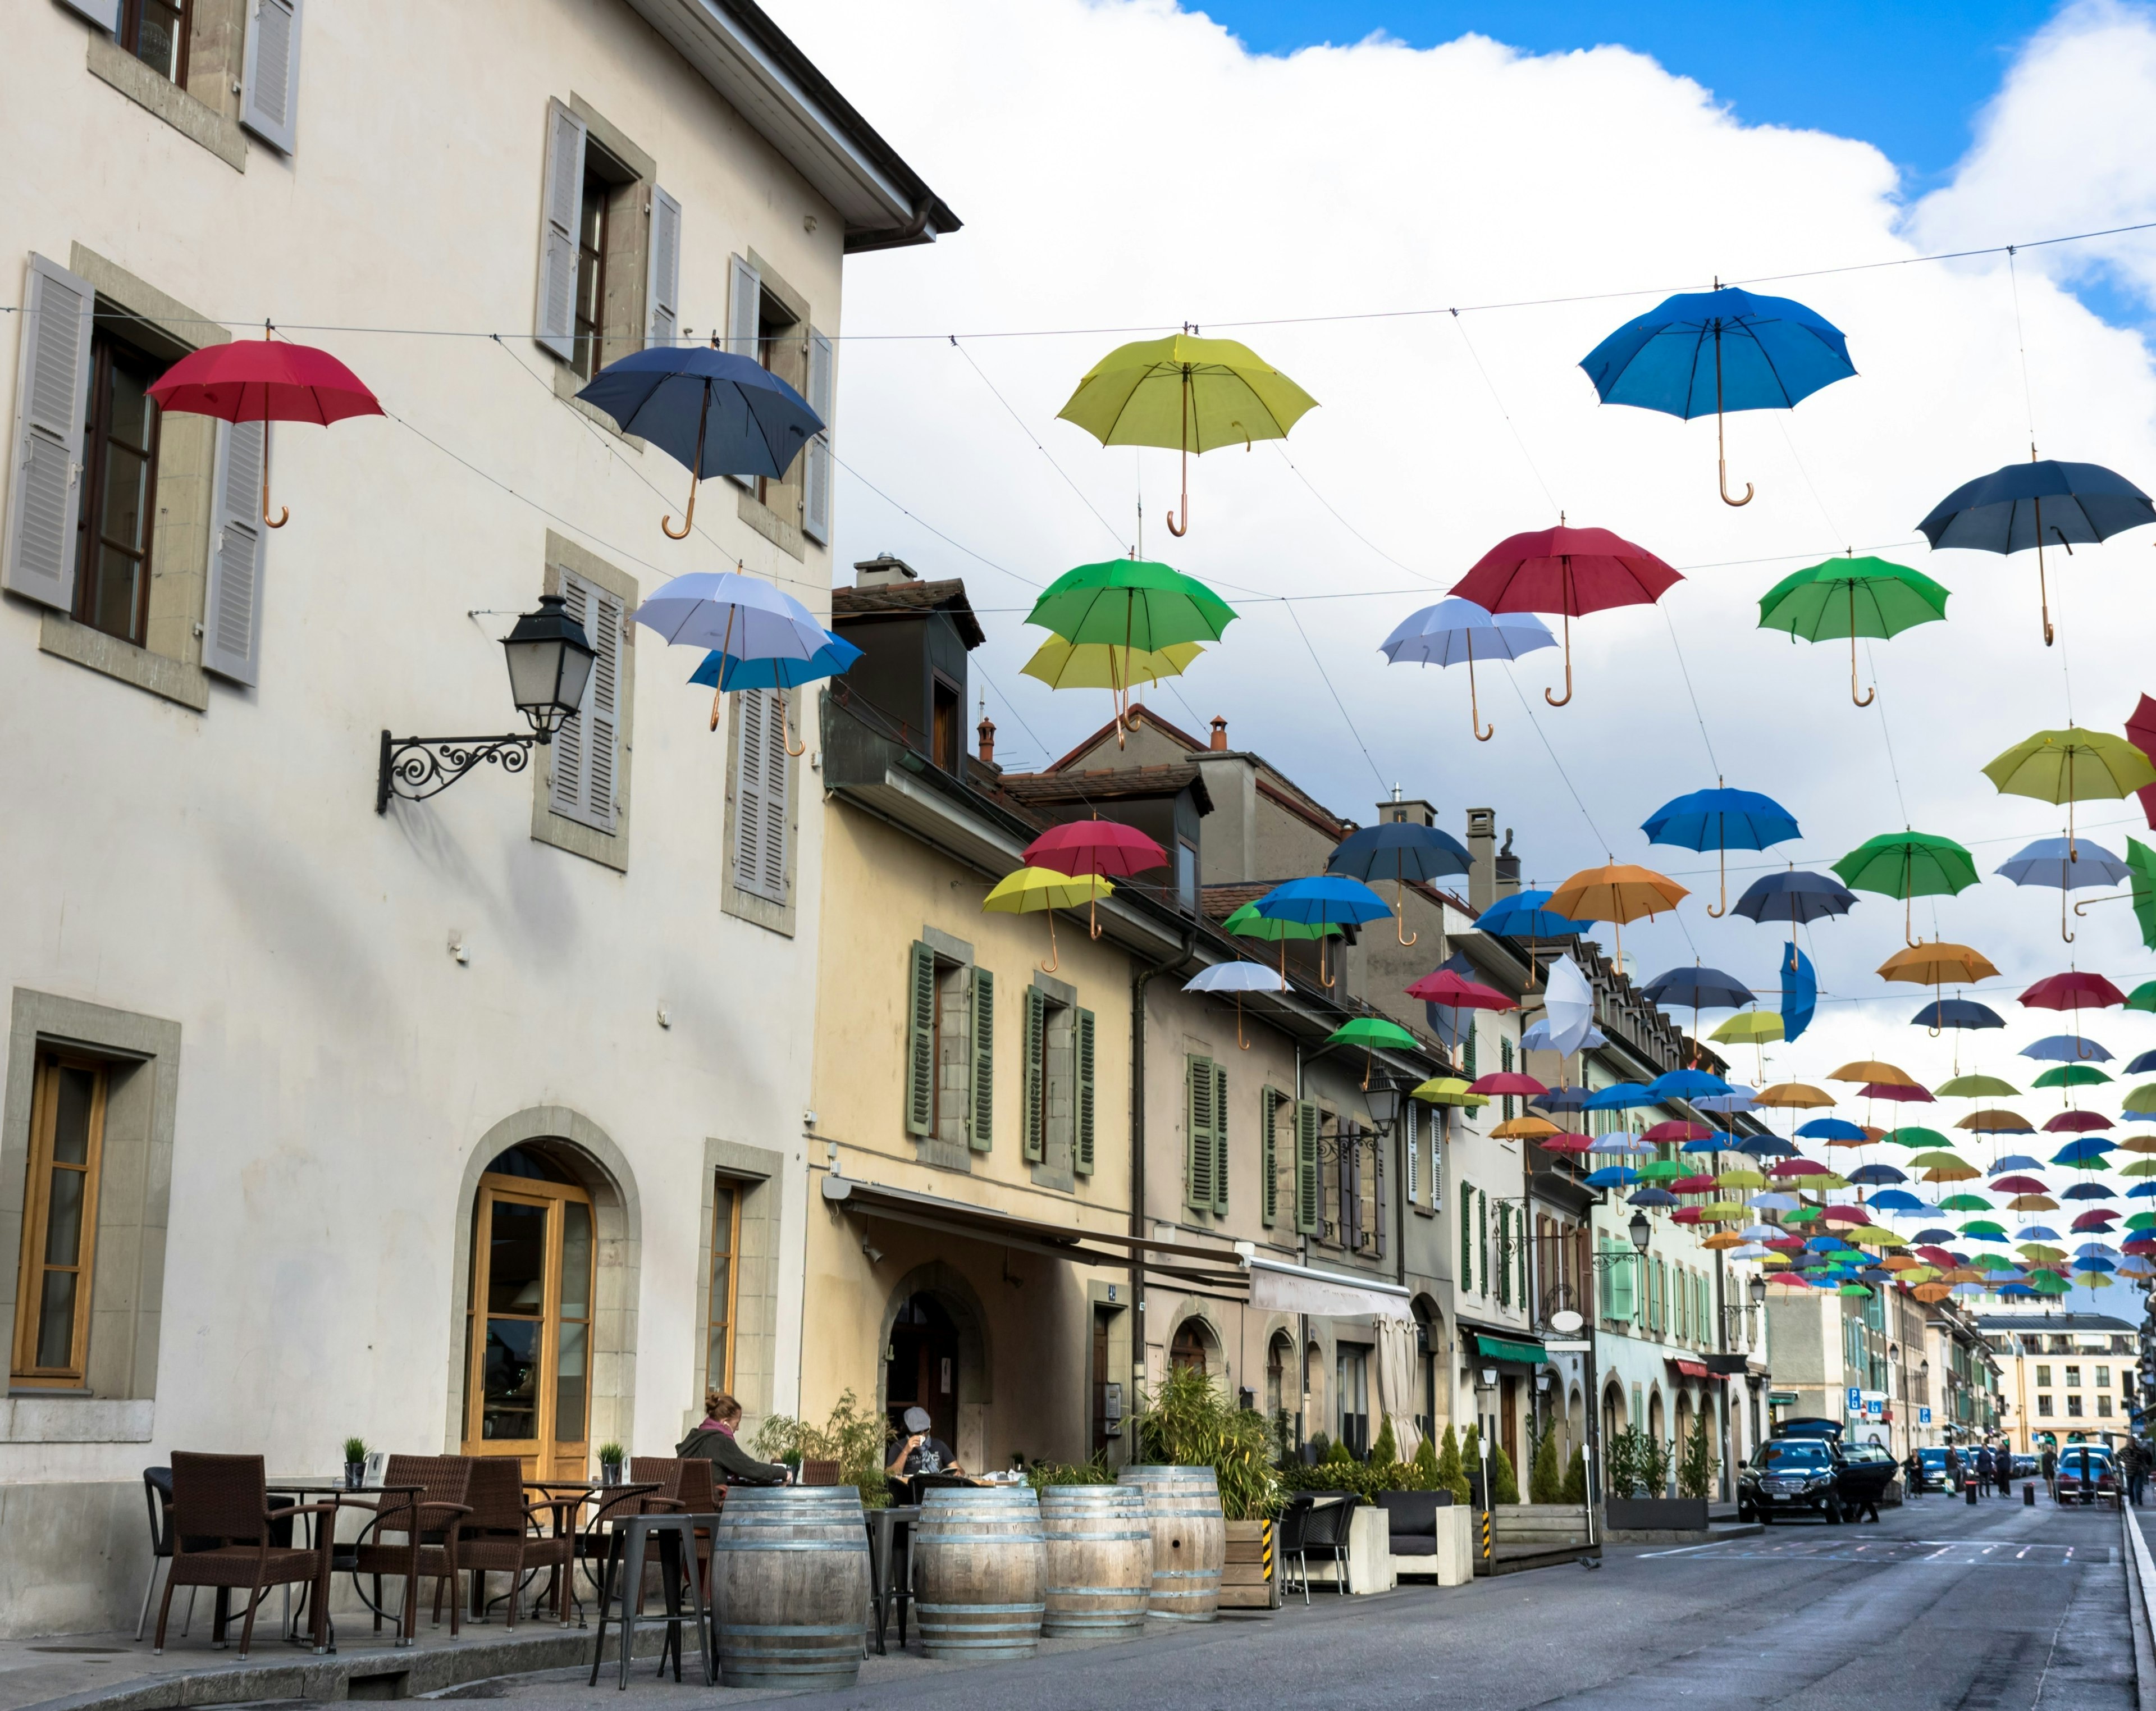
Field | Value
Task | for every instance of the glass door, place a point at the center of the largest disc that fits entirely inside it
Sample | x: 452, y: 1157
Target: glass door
x: 528, y: 1327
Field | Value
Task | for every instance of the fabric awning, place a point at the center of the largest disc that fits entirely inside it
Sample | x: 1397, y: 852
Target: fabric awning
x: 1505, y: 1349
x: 1276, y: 1286
x: 1691, y: 1368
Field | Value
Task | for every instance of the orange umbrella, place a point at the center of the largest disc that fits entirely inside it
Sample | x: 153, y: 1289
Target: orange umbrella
x: 1619, y: 893
x: 1870, y: 1070
x: 1795, y: 1096
x: 1935, y: 963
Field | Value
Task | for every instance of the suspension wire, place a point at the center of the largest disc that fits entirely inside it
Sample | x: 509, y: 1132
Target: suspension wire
x: 1528, y: 708
x: 914, y: 516
x: 1280, y: 447
x: 1113, y: 533
x: 1534, y: 467
x: 2021, y: 344
x: 1344, y: 714
x: 1885, y: 730
x: 1684, y: 671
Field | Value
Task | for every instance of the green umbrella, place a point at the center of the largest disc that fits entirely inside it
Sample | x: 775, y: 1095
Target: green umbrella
x: 1188, y: 393
x: 2143, y: 997
x: 1851, y: 1289
x: 1913, y: 1136
x: 1993, y: 1262
x: 2048, y: 1283
x: 1852, y: 597
x: 1801, y: 1214
x: 1986, y: 1227
x: 1964, y: 1203
x: 2142, y: 860
x: 2142, y: 1098
x: 2071, y: 1075
x: 1131, y: 603
x: 1370, y: 1032
x: 1907, y: 864
x: 2070, y: 766
x: 1249, y: 924
x: 1976, y: 1088
x: 2141, y: 1221
x: 1663, y: 1170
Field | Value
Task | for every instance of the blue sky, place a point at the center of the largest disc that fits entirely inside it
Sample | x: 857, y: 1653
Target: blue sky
x: 1908, y: 77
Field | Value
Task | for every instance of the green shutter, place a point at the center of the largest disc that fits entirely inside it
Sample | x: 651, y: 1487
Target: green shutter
x: 1482, y: 1242
x: 1219, y: 1138
x: 1505, y: 1063
x: 1082, y: 1153
x: 980, y: 1130
x: 1466, y: 1237
x: 1504, y: 1255
x: 1608, y: 1279
x: 1468, y: 1054
x: 1199, y: 1092
x: 920, y: 1041
x: 1036, y: 1007
x: 1270, y: 1100
x: 1309, y: 1189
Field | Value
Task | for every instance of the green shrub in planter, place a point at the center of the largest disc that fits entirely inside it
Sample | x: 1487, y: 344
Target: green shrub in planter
x: 1191, y: 1422
x: 1451, y: 1471
x: 1427, y: 1477
x: 1546, y: 1483
x: 1098, y: 1471
x: 851, y: 1436
x: 1340, y: 1452
x: 1387, y: 1449
x: 1696, y: 1471
x: 1504, y: 1482
x: 1575, y: 1480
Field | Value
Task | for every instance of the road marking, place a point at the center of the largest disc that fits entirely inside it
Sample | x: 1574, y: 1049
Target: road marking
x: 1687, y: 1550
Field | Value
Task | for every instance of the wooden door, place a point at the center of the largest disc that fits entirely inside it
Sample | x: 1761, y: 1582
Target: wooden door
x: 527, y: 1378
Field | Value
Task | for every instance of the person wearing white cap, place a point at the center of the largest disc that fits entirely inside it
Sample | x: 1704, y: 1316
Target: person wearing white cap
x: 919, y: 1452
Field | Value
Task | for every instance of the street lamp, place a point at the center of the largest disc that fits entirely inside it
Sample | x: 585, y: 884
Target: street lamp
x: 1384, y: 1099
x: 1639, y: 1231
x: 1757, y: 1289
x: 549, y: 658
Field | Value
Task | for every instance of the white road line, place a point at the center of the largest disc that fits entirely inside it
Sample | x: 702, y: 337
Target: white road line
x: 1687, y: 1550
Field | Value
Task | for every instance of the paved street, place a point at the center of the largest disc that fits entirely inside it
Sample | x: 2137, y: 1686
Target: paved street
x: 1940, y: 1605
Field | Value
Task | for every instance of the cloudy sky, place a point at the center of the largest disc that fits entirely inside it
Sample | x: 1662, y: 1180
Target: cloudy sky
x: 1125, y: 165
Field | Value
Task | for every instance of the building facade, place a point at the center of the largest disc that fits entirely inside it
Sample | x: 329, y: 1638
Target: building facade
x: 2062, y: 1376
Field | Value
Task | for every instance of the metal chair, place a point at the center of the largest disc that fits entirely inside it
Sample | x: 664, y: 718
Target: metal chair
x: 157, y: 1489
x: 1291, y: 1540
x: 1325, y: 1534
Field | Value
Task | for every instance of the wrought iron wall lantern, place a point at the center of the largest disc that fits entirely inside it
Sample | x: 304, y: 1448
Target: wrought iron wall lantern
x: 1640, y: 1232
x: 550, y: 663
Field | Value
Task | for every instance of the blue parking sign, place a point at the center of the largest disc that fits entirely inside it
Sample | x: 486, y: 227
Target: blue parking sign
x: 1856, y: 1399
x: 1923, y: 1416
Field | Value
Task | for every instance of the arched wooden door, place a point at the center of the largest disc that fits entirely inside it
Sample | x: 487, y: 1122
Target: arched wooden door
x: 527, y: 1318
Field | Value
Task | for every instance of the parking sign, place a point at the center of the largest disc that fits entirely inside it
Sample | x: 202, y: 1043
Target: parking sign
x: 1923, y: 1416
x: 1856, y: 1398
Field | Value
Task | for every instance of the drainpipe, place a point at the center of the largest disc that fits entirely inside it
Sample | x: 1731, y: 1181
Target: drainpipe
x: 1139, y: 982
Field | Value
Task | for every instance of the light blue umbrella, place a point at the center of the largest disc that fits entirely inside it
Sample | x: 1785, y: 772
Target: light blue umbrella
x: 739, y: 616
x: 2066, y: 1048
x: 730, y: 671
x: 1536, y: 1037
x: 1456, y: 632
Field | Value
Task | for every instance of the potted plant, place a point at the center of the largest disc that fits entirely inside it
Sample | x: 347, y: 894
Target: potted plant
x: 1638, y: 1468
x: 354, y: 1463
x: 1190, y: 1421
x: 611, y: 1458
x: 854, y: 1438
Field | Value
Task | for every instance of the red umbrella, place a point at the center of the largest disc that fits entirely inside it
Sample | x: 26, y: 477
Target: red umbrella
x: 1907, y: 1095
x: 1937, y: 1256
x: 264, y: 380
x: 1508, y: 1081
x: 2095, y: 1220
x: 2071, y: 990
x: 2018, y: 1185
x: 1444, y: 987
x: 1692, y: 1186
x: 2141, y: 732
x: 1663, y: 1134
x: 1102, y: 847
x: 1801, y: 1167
x: 1565, y: 1142
x: 1570, y: 570
x: 2139, y: 1244
x: 2078, y: 1122
x: 1855, y: 1216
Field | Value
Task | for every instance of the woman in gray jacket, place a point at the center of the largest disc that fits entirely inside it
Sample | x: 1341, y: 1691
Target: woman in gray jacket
x: 714, y: 1441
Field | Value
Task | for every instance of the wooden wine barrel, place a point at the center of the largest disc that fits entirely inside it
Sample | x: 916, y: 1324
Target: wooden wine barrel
x: 979, y: 1570
x: 1100, y: 1559
x: 1189, y: 1540
x: 790, y: 1585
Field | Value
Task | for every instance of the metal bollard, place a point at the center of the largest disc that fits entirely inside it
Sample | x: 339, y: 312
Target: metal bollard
x: 2028, y: 1497
x: 1969, y: 1491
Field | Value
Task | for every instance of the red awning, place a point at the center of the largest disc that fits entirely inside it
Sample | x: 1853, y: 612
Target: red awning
x: 1690, y: 1369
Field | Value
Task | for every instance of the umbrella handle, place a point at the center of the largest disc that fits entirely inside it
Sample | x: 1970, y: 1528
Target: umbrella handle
x: 1093, y: 923
x: 1174, y: 528
x: 1716, y: 911
x: 695, y: 476
x: 1483, y: 733
x: 1721, y: 453
x: 2043, y: 588
x: 798, y: 752
x: 1871, y: 694
x: 1556, y: 701
x: 284, y: 511
x: 1241, y: 1043
x: 1054, y: 957
x: 725, y: 641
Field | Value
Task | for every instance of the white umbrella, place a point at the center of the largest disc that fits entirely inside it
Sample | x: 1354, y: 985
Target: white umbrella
x: 736, y: 614
x: 1238, y: 978
x: 1567, y: 1006
x: 1536, y: 1037
x: 1773, y: 1203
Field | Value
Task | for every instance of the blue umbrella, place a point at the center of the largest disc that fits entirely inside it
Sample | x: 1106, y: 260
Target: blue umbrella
x: 2065, y: 865
x: 1536, y: 1037
x: 2143, y: 1190
x: 2088, y: 1191
x: 725, y: 671
x: 742, y: 617
x: 1399, y: 851
x: 1735, y: 1101
x: 1799, y: 991
x: 1457, y: 631
x: 1832, y: 1128
x: 1618, y: 1141
x: 1686, y: 1084
x: 1824, y: 1243
x: 1610, y: 1176
x: 1932, y: 1236
x: 1620, y: 1095
x: 2068, y: 1048
x: 2037, y: 1232
x: 2016, y: 1161
x: 2082, y: 1151
x: 1697, y: 989
x: 1795, y: 897
x: 1327, y: 899
x: 1873, y: 1174
x: 720, y: 414
x: 1652, y: 1197
x: 2142, y: 1064
x: 2027, y: 504
x: 1767, y: 1147
x: 2095, y: 1265
x: 2095, y: 1250
x: 1523, y: 916
x: 1957, y: 1013
x: 1720, y: 350
x: 1716, y: 1142
x: 1561, y: 1099
x: 1721, y: 820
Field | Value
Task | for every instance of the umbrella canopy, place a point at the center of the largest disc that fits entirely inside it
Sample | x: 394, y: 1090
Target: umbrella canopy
x: 1831, y: 1129
x: 730, y: 671
x: 1571, y: 571
x: 1619, y: 893
x: 1247, y: 923
x: 1104, y: 847
x: 1958, y: 1013
x: 1997, y: 1123
x: 1749, y: 1028
x: 1722, y: 349
x: 1699, y: 988
x: 1372, y: 1032
x: 1325, y: 900
x: 1620, y: 1095
x: 1852, y: 597
x: 1535, y: 1036
x: 1188, y: 393
x: 1506, y: 1082
x: 1721, y: 820
x: 1236, y: 976
x: 1529, y: 1127
x: 1872, y: 1071
x: 1523, y: 915
x: 1031, y: 891
x: 2082, y: 1153
x: 1068, y: 665
x: 1455, y: 992
x: 2071, y: 1075
x: 1975, y: 1086
x: 1907, y: 864
x: 1686, y: 1084
x: 1795, y: 897
x: 1933, y: 963
x: 2066, y: 1048
x: 2071, y: 765
x: 741, y: 618
x: 2075, y: 989
x: 1459, y: 632
x: 1131, y: 602
x: 1399, y: 851
x: 2142, y: 860
x: 264, y: 380
x: 1446, y: 1090
x: 2034, y: 504
x: 1908, y: 1094
x: 1793, y: 1096
x: 2048, y: 861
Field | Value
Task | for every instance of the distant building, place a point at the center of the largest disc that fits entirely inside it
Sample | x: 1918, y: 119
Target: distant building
x: 2064, y: 1375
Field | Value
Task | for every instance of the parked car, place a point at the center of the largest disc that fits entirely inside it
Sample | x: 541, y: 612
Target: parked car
x: 2024, y: 1466
x: 1932, y: 1469
x: 1792, y: 1476
x: 2086, y: 1474
x: 1866, y: 1470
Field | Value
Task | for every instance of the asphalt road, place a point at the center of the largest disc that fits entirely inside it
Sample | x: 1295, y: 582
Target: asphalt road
x: 1939, y: 1605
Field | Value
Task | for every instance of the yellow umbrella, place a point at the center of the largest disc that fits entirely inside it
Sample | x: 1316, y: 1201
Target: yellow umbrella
x: 2070, y: 766
x: 1525, y: 1128
x: 1757, y: 1028
x: 1068, y: 665
x: 1447, y: 1090
x: 1032, y: 891
x: 1740, y: 1178
x: 1618, y: 893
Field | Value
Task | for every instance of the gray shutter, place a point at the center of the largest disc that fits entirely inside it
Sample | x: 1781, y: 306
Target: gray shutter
x: 1036, y: 1031
x: 665, y: 293
x: 816, y: 477
x: 744, y: 319
x: 1309, y: 1188
x: 565, y: 768
x: 554, y: 315
x: 269, y: 100
x: 51, y: 398
x: 232, y: 608
x: 104, y: 14
x: 748, y: 715
x: 921, y: 1041
x: 601, y: 714
x: 1269, y: 1103
x: 980, y: 1111
x: 1081, y: 1156
x: 1379, y: 1199
x: 1219, y: 1138
x: 777, y: 806
x: 1198, y: 1155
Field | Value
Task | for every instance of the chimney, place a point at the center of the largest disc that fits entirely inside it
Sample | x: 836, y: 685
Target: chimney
x: 1413, y: 812
x: 1219, y: 735
x: 1508, y: 867
x: 987, y: 729
x: 882, y: 569
x: 1483, y: 853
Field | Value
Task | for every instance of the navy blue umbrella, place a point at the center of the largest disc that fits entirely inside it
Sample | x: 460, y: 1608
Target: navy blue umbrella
x: 1699, y: 988
x: 1399, y: 851
x: 1561, y: 1099
x: 1719, y: 350
x: 1957, y: 1013
x: 1795, y: 897
x: 719, y: 413
x: 1721, y: 821
x: 2141, y: 1065
x: 1767, y: 1147
x: 2035, y: 504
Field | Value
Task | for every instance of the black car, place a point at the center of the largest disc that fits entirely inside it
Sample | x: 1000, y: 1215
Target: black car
x: 1792, y: 1476
x: 1867, y: 1470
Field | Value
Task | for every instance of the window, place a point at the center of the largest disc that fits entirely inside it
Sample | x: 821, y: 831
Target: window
x: 950, y: 1060
x: 1353, y: 1368
x: 591, y: 273
x: 59, y: 1225
x: 768, y: 322
x: 2073, y: 1404
x: 1205, y: 1135
x: 2103, y: 1378
x: 764, y: 783
x: 2103, y: 1406
x: 1186, y: 877
x: 725, y: 1270
x: 583, y: 769
x: 1186, y: 1353
x: 156, y: 32
x: 609, y: 248
x: 2043, y: 1405
x: 2043, y: 1375
x: 947, y: 745
x: 118, y: 494
x: 2073, y: 1378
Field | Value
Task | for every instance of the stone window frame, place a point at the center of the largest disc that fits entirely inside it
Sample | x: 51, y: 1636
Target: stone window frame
x: 757, y: 1176
x: 934, y: 1149
x: 608, y: 849
x: 628, y: 258
x: 780, y: 524
x: 141, y: 1053
x: 206, y: 108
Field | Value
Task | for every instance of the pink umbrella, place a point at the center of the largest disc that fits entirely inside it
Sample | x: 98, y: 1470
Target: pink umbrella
x: 1444, y: 987
x: 1106, y: 847
x: 1506, y: 1081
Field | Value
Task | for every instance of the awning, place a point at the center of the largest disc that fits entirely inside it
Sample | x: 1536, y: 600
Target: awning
x: 1505, y: 1349
x: 1276, y: 1286
x: 1690, y: 1368
x: 1187, y: 1262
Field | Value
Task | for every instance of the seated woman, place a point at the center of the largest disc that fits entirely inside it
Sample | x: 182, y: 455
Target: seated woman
x: 714, y: 1441
x: 918, y: 1452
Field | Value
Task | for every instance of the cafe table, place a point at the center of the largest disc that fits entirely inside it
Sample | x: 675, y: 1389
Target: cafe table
x: 316, y: 1487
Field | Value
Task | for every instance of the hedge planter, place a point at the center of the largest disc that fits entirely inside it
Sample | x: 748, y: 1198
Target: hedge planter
x: 1250, y: 1580
x: 1655, y: 1514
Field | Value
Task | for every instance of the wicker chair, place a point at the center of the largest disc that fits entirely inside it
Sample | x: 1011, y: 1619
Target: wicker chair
x: 221, y: 1533
x: 819, y: 1471
x: 497, y: 1536
x: 430, y: 1527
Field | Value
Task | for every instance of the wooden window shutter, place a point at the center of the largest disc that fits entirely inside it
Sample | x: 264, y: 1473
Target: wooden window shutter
x: 583, y: 785
x: 1504, y: 1255
x: 1379, y: 1199
x: 1309, y: 1195
x: 744, y: 321
x: 1270, y: 1101
x: 51, y: 398
x: 816, y: 473
x: 104, y: 14
x: 664, y: 293
x: 921, y: 1041
x: 232, y: 606
x: 1036, y: 1072
x: 1466, y: 1238
x: 554, y: 315
x: 1081, y: 1159
x: 763, y: 785
x: 1200, y: 1093
x: 270, y: 99
x: 1482, y: 1238
x: 1350, y: 1183
x: 980, y: 1108
x: 777, y: 795
x: 1219, y: 1138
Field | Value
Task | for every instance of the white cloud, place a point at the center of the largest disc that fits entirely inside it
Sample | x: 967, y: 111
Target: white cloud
x: 1128, y: 164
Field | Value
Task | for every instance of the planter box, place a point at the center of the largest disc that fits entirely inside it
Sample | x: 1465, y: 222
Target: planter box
x: 1250, y: 1577
x: 1655, y: 1514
